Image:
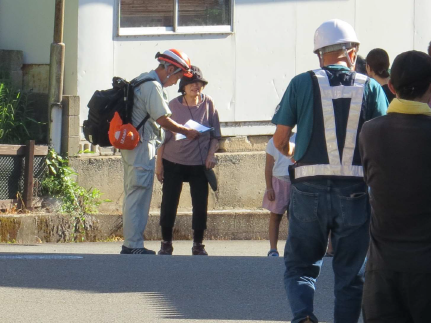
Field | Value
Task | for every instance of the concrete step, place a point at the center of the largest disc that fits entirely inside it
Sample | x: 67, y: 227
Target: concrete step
x: 222, y: 225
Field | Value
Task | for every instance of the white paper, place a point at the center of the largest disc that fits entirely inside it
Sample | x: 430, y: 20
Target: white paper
x: 192, y: 125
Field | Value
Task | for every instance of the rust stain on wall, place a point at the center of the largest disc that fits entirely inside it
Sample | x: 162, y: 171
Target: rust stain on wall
x: 36, y: 77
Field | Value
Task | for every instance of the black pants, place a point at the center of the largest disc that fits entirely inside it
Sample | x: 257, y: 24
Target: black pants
x: 396, y: 297
x: 174, y: 176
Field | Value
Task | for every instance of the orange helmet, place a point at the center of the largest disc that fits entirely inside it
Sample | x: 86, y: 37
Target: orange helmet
x: 122, y: 136
x: 177, y: 58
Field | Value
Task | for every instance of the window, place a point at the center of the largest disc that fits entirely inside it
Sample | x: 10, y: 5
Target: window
x: 143, y: 17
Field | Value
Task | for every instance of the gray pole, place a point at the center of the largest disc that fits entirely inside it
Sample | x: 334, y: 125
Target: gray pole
x: 175, y: 22
x: 56, y: 71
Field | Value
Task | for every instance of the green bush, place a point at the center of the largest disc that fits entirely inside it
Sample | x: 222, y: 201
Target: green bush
x: 17, y: 123
x: 60, y: 182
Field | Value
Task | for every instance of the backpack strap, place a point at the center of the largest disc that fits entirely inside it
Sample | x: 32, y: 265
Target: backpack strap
x: 143, y: 122
x: 135, y: 84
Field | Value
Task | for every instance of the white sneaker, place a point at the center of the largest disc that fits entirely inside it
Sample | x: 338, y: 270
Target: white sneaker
x: 273, y: 253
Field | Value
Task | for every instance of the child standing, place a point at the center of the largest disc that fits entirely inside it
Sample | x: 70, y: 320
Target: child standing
x: 277, y: 194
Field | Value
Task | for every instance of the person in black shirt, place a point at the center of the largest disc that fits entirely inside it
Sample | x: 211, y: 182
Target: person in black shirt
x: 378, y: 68
x: 361, y: 64
x: 396, y: 157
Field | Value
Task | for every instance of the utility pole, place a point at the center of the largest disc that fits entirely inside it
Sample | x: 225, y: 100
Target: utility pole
x: 56, y: 76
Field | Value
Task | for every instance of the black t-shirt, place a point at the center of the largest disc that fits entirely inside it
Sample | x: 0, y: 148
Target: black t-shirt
x: 388, y: 93
x: 396, y: 156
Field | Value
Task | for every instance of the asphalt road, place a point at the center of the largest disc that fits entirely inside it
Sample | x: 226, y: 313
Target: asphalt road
x: 91, y: 282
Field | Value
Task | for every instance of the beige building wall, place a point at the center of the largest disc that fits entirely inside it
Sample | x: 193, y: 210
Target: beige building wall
x: 248, y: 69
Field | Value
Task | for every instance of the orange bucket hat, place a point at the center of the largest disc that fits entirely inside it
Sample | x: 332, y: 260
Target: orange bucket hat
x: 122, y: 136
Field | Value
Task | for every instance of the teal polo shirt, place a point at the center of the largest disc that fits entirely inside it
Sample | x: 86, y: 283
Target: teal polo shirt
x: 296, y: 106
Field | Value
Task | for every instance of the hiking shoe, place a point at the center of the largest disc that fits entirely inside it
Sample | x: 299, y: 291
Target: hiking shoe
x: 198, y: 249
x: 273, y: 253
x: 166, y: 248
x: 136, y: 251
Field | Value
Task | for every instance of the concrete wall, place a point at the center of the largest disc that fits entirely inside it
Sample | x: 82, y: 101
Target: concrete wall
x: 38, y: 228
x: 36, y: 78
x: 240, y: 176
x: 11, y: 66
x: 28, y: 26
x: 31, y: 78
x: 70, y: 138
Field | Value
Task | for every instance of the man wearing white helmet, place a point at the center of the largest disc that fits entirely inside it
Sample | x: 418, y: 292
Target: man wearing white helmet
x: 329, y: 106
x: 150, y: 101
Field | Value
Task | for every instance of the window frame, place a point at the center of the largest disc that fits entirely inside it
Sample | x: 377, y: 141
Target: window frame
x: 175, y: 29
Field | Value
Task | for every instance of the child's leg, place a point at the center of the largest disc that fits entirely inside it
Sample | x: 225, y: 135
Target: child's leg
x: 274, y: 228
x: 329, y: 250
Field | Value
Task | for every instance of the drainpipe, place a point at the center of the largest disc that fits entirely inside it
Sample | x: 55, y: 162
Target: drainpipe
x: 56, y: 75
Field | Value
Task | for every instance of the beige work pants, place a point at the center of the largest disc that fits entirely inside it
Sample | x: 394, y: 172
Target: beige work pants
x: 139, y: 165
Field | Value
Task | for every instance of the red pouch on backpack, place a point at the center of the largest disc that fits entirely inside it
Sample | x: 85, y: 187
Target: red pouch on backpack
x: 122, y: 136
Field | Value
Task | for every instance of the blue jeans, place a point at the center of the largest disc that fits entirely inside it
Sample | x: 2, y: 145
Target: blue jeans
x: 316, y: 208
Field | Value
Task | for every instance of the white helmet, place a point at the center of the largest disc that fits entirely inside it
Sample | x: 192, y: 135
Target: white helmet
x: 334, y: 35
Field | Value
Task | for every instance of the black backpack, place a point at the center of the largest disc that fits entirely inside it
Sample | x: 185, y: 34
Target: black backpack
x: 102, y: 106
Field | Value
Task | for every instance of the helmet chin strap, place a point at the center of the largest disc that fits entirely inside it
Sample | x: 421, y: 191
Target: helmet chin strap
x: 169, y: 75
x: 320, y: 57
x: 351, y: 64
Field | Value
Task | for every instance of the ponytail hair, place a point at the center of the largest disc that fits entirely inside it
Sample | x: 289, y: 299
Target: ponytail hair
x: 378, y: 61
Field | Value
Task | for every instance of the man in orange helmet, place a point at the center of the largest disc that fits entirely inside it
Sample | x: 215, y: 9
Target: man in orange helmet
x: 150, y: 100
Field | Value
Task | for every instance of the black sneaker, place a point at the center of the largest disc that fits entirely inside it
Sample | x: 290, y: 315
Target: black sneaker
x: 199, y: 250
x: 166, y: 248
x: 136, y: 251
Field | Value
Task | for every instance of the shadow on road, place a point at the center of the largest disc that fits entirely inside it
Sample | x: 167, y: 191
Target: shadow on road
x: 183, y: 287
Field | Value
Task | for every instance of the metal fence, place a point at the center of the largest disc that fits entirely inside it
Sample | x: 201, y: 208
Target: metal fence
x: 12, y: 176
x: 22, y: 170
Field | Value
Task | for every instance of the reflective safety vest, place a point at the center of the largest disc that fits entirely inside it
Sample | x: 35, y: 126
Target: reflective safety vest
x: 332, y: 150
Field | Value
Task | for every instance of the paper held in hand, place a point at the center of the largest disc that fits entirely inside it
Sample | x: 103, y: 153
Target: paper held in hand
x: 193, y: 125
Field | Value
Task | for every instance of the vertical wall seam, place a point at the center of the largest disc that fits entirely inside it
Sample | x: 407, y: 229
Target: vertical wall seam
x: 414, y: 24
x: 235, y: 69
x: 115, y: 31
x: 295, y: 6
x: 356, y: 13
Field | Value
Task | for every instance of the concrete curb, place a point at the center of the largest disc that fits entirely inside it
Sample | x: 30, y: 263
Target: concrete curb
x: 222, y: 225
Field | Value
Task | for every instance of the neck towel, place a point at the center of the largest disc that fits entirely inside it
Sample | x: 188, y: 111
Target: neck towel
x: 409, y: 107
